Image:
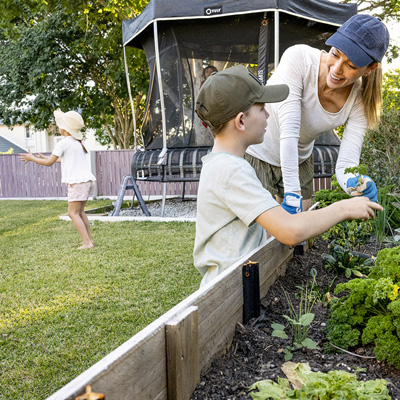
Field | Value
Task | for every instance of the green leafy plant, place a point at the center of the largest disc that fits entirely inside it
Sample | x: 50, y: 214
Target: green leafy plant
x: 355, y: 232
x: 327, y: 197
x: 352, y: 233
x: 387, y: 221
x: 299, y: 321
x: 342, y: 260
x: 319, y: 386
x: 370, y: 310
x: 381, y: 218
x: 358, y: 171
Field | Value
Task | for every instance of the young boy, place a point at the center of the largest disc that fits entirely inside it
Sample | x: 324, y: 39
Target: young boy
x: 233, y: 208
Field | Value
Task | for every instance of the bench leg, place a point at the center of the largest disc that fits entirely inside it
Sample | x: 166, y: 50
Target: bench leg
x: 140, y: 199
x: 183, y: 190
x: 124, y: 186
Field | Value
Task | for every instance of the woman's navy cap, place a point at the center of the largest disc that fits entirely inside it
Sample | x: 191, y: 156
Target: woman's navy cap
x: 363, y: 38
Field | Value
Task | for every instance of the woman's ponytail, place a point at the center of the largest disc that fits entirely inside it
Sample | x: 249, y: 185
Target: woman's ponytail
x: 372, y: 96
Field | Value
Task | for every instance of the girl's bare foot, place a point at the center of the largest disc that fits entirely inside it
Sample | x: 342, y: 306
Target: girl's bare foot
x: 86, y: 246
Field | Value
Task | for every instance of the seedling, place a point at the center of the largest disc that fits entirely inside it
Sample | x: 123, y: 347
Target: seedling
x: 358, y: 171
x: 319, y: 294
x: 299, y: 324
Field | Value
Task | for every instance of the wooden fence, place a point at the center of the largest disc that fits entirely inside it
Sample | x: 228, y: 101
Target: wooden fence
x: 110, y: 166
x: 165, y: 359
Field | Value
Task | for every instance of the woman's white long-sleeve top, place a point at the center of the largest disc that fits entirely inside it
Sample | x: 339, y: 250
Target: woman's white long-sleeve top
x: 295, y: 123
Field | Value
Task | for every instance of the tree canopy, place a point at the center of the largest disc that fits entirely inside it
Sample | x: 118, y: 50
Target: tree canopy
x: 69, y: 55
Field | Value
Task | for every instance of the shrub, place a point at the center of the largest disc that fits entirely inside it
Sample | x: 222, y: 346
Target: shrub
x: 381, y: 150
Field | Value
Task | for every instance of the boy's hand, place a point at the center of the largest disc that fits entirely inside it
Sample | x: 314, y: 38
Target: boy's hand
x: 367, y: 188
x: 361, y: 208
x: 292, y: 203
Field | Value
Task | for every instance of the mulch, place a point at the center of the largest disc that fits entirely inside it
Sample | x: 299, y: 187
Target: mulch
x: 255, y: 355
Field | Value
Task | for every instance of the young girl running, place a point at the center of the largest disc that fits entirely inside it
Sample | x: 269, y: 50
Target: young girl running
x: 75, y: 170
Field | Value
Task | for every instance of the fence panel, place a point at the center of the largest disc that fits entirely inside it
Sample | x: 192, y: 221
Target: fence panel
x: 111, y: 167
x: 29, y: 180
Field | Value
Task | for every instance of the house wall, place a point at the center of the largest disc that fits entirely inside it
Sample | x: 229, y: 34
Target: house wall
x: 40, y: 141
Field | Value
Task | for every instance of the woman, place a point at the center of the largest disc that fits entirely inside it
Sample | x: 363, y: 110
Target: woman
x: 327, y: 90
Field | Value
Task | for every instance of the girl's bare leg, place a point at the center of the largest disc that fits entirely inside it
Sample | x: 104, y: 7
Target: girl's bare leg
x: 75, y: 212
x: 86, y: 220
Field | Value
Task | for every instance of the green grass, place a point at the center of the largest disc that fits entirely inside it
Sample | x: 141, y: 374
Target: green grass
x: 63, y: 309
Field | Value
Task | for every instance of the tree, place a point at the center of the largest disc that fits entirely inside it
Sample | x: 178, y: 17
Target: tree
x: 69, y: 54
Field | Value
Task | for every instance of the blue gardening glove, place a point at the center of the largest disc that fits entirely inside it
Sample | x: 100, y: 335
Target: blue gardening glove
x: 292, y: 203
x: 366, y: 188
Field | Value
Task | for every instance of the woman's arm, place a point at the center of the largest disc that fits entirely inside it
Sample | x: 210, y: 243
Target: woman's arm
x: 291, y: 70
x: 351, y: 144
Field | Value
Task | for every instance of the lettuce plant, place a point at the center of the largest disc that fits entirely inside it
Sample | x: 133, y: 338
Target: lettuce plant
x: 320, y: 386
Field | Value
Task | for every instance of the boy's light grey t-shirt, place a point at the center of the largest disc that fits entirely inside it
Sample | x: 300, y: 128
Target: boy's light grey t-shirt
x: 230, y: 198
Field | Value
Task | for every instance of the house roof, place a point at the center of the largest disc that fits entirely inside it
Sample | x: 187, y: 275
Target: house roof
x: 5, y: 145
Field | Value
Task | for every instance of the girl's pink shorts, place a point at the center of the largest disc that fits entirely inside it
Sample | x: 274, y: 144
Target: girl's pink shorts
x: 80, y: 191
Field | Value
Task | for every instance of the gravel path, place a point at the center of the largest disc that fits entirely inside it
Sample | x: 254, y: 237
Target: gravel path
x: 174, y: 208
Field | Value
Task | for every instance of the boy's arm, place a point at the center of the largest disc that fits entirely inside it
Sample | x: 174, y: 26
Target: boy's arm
x: 295, y: 228
x: 47, y: 161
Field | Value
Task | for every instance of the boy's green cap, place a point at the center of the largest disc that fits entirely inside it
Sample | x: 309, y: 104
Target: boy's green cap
x: 233, y: 90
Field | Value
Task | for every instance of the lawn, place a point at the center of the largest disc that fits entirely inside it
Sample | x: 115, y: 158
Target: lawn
x: 63, y: 309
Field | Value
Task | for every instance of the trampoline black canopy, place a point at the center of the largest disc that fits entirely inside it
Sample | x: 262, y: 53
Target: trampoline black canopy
x: 181, y: 37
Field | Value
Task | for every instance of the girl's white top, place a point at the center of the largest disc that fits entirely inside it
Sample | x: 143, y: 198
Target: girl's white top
x: 295, y: 123
x: 75, y: 163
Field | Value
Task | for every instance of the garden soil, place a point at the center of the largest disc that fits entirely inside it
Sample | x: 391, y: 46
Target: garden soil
x: 255, y: 355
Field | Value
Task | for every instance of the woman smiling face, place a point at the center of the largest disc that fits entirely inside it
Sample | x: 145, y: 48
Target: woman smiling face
x: 341, y: 72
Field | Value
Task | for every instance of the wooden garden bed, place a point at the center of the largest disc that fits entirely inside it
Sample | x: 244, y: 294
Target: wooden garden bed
x: 164, y: 360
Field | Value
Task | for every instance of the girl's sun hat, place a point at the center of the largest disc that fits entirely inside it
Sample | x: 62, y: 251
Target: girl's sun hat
x: 71, y: 121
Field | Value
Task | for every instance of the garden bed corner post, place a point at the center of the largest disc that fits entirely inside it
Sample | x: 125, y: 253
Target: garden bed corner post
x: 251, y: 291
x: 183, y: 356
